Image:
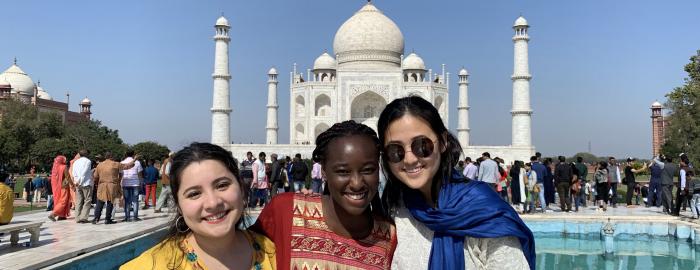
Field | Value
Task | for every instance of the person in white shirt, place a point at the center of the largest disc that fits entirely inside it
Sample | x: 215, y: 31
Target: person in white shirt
x: 470, y: 169
x: 131, y: 183
x: 82, y: 178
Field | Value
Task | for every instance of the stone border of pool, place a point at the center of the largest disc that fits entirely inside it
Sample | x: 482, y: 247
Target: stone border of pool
x: 626, y: 227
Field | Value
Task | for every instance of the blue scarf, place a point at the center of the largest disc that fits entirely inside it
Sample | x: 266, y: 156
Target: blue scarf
x: 467, y: 209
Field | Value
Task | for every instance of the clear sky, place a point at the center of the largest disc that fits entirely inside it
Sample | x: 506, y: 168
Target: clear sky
x: 146, y: 65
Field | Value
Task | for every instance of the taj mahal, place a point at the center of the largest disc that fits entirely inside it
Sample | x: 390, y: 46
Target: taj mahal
x: 366, y: 71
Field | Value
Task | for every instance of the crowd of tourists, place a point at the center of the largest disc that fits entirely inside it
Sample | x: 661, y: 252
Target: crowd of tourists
x: 536, y: 184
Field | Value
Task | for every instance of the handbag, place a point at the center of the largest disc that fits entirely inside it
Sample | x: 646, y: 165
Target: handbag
x: 536, y: 189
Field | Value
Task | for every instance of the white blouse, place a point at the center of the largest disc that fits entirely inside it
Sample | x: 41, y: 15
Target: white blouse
x: 415, y: 241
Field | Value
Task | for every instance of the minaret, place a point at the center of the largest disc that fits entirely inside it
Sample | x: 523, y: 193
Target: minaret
x: 521, y: 112
x: 221, y: 109
x: 85, y: 108
x: 272, y: 106
x: 463, y: 109
x: 657, y: 127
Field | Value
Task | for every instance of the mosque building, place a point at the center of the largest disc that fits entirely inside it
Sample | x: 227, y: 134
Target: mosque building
x: 16, y: 84
x: 367, y: 70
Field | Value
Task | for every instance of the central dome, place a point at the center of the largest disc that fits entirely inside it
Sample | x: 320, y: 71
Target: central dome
x: 20, y: 82
x: 369, y: 35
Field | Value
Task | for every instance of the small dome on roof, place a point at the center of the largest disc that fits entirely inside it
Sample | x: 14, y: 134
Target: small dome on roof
x: 85, y: 101
x: 42, y: 94
x: 19, y: 80
x: 520, y: 21
x: 272, y: 71
x: 463, y: 72
x: 656, y: 104
x: 413, y: 61
x: 325, y: 61
x: 222, y: 21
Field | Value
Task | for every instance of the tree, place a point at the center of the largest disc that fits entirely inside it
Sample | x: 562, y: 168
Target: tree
x: 683, y: 103
x: 151, y: 150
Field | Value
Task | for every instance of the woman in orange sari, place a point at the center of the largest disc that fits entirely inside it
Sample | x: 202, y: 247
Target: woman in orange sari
x: 61, y: 192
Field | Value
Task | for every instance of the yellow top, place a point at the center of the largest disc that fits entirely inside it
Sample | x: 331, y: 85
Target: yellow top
x: 168, y: 255
x: 7, y: 199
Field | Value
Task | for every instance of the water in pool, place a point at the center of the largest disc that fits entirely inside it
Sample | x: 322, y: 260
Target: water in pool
x: 572, y: 253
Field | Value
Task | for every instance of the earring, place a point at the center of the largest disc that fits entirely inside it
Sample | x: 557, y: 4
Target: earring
x: 177, y: 225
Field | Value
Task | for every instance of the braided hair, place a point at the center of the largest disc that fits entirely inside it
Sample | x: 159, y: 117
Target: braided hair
x: 347, y: 129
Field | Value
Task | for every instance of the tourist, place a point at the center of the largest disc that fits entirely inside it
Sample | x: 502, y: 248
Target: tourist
x: 106, y: 177
x: 275, y: 169
x: 540, y: 170
x: 683, y: 189
x: 533, y: 189
x: 630, y: 181
x: 549, y: 187
x: 247, y: 170
x: 470, y: 169
x: 316, y: 177
x: 602, y: 185
x: 694, y: 191
x: 581, y: 196
x: 344, y: 228
x: 166, y: 195
x: 518, y: 188
x: 299, y: 173
x: 668, y: 171
x: 205, y: 230
x: 7, y: 200
x: 488, y: 170
x: 654, y: 196
x: 131, y: 183
x: 563, y: 176
x: 460, y: 223
x: 503, y: 182
x: 61, y: 184
x: 150, y: 181
x: 82, y: 179
x: 259, y: 185
x: 615, y: 178
x: 289, y: 163
x: 38, y: 188
x: 283, y: 179
x: 29, y: 189
x: 49, y: 193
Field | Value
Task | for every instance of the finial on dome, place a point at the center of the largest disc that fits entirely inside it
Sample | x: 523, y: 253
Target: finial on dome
x: 15, y: 62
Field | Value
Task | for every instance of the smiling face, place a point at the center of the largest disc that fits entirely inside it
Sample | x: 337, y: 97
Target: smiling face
x: 414, y: 172
x: 352, y: 172
x: 210, y: 199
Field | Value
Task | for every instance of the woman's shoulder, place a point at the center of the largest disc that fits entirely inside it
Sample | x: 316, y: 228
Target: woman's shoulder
x: 157, y: 256
x: 264, y: 248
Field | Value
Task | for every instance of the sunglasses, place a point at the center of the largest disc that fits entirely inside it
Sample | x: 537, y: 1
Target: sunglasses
x: 421, y: 147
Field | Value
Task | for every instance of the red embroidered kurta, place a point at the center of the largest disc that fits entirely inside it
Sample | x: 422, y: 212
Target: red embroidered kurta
x: 303, y: 241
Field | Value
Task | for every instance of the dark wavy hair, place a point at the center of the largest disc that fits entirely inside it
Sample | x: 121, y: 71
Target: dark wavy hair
x: 347, y: 129
x: 196, y: 152
x: 420, y: 108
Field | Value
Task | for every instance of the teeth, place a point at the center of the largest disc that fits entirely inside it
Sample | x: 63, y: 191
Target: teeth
x: 414, y: 170
x: 359, y: 196
x: 215, y: 217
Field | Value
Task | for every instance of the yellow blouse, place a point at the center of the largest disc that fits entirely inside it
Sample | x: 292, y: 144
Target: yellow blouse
x: 170, y: 255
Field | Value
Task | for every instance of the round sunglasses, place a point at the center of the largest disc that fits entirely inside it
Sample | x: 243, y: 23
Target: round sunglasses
x: 421, y: 147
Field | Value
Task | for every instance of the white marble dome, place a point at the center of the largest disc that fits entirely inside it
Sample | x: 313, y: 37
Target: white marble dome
x: 272, y: 71
x: 325, y: 61
x: 85, y: 101
x: 42, y: 94
x: 222, y: 21
x: 656, y: 104
x: 413, y: 61
x: 368, y: 30
x: 21, y: 83
x: 463, y: 72
x: 520, y: 21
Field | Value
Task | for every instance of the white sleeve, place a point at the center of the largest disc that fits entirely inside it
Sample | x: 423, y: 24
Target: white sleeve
x: 682, y: 179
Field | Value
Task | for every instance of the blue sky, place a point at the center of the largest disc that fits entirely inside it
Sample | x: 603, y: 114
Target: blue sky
x: 146, y: 65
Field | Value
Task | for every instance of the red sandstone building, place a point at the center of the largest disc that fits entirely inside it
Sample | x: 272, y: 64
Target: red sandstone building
x: 658, y: 125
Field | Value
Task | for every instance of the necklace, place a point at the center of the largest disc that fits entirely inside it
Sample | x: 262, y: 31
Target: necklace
x: 258, y: 255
